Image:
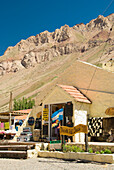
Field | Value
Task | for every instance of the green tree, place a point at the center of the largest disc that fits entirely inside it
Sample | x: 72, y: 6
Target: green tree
x: 23, y: 104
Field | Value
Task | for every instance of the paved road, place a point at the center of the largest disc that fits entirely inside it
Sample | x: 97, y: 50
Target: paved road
x: 50, y: 164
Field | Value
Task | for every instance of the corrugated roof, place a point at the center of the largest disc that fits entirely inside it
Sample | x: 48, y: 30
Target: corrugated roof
x: 21, y: 117
x: 75, y: 93
x: 23, y: 111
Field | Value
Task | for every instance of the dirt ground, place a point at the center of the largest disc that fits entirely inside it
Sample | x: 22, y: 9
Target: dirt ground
x: 51, y: 164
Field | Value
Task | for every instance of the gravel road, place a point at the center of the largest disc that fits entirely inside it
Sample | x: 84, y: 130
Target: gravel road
x: 50, y: 164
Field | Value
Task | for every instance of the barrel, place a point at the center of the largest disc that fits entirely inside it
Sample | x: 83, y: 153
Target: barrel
x: 36, y: 134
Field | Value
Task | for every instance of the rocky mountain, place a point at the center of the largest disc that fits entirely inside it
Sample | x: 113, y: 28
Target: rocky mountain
x: 35, y: 62
x: 46, y: 46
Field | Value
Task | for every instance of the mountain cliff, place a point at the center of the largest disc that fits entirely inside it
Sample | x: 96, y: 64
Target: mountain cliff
x: 46, y: 46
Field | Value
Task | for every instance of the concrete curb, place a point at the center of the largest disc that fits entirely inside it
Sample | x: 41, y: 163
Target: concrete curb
x: 107, y: 158
x: 32, y: 153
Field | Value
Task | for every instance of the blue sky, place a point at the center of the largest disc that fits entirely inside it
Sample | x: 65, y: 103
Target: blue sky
x: 20, y: 19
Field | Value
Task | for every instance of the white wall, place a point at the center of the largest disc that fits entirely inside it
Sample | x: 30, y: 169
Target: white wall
x: 80, y: 117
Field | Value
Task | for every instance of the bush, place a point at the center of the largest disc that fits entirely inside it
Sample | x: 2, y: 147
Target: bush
x: 68, y: 148
x: 102, y: 152
x: 97, y: 152
x: 107, y: 151
x: 90, y: 150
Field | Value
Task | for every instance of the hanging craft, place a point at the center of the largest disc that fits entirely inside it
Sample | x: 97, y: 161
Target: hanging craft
x: 31, y: 121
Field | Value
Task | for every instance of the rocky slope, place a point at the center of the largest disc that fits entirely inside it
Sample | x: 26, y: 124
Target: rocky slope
x: 46, y: 46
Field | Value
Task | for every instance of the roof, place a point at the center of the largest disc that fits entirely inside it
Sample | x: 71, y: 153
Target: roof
x: 23, y: 117
x: 23, y: 111
x: 75, y: 93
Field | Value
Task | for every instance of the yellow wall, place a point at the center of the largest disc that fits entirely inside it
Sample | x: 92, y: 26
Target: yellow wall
x: 100, y: 102
x: 57, y: 96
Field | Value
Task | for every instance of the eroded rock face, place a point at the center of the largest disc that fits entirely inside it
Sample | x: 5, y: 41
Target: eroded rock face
x: 46, y: 46
x: 99, y: 23
x: 61, y: 34
x: 10, y: 66
x: 36, y: 57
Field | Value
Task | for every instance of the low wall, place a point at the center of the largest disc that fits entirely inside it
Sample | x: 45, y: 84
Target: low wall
x: 105, y: 158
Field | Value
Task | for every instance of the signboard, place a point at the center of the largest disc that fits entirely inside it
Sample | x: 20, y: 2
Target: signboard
x: 71, y: 131
x: 45, y: 114
x: 110, y: 111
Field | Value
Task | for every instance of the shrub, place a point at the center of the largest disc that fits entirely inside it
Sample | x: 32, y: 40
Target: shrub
x: 107, y: 151
x: 90, y: 150
x: 102, y: 152
x: 68, y: 148
x: 97, y: 152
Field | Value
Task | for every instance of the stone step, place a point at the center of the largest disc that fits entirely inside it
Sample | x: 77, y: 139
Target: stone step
x: 15, y: 147
x: 17, y: 143
x: 13, y: 154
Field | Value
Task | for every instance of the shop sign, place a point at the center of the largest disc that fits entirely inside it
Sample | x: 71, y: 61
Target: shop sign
x: 45, y: 114
x: 71, y: 131
x: 110, y: 111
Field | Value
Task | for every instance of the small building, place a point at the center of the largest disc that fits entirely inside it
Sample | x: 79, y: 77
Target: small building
x: 60, y: 96
x: 57, y: 99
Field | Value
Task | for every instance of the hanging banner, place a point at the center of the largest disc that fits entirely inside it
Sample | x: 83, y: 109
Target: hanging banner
x: 71, y: 131
x: 45, y: 114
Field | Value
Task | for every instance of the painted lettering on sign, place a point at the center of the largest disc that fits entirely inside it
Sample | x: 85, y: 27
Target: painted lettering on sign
x: 45, y: 114
x: 71, y: 131
x: 110, y: 111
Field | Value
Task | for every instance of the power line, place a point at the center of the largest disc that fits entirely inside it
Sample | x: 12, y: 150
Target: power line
x: 108, y: 6
x: 100, y: 56
x: 95, y: 70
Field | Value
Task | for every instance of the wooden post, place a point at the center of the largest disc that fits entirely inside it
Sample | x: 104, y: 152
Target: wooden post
x: 86, y: 142
x: 49, y: 124
x: 10, y: 102
x: 10, y: 109
x: 62, y: 136
x: 86, y: 137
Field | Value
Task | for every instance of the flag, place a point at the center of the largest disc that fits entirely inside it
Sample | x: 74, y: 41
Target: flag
x: 58, y: 115
x: 55, y: 124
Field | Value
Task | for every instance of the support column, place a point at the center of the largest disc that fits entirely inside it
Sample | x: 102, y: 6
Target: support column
x: 86, y: 136
x: 10, y: 109
x: 49, y: 127
x: 10, y: 121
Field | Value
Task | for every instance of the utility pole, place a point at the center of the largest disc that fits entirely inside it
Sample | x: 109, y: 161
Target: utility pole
x: 10, y: 108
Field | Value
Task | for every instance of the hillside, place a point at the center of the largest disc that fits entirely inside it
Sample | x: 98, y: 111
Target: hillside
x: 40, y: 60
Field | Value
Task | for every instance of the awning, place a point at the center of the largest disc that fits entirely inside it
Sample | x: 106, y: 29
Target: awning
x: 23, y: 117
